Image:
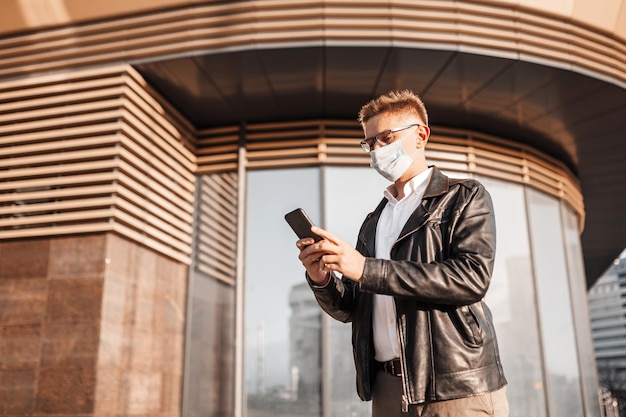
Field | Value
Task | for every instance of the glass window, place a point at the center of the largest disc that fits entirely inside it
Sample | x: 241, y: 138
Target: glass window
x: 581, y: 312
x: 210, y: 348
x: 282, y: 319
x: 350, y: 194
x: 511, y: 297
x: 288, y: 341
x: 555, y: 309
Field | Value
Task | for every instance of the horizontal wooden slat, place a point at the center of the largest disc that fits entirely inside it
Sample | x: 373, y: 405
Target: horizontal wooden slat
x: 303, y: 143
x: 57, y: 206
x: 216, y: 226
x: 140, y: 237
x: 49, y: 151
x: 23, y: 197
x: 93, y: 151
x: 82, y: 216
x: 60, y: 133
x: 56, y: 230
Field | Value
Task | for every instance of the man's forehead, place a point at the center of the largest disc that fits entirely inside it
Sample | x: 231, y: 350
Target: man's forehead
x: 384, y: 121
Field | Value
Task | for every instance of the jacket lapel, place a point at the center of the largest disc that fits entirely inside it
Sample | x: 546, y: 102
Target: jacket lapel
x: 367, y: 237
x: 438, y: 185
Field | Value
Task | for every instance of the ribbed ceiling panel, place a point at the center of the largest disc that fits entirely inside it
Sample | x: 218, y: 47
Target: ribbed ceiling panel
x: 492, y: 28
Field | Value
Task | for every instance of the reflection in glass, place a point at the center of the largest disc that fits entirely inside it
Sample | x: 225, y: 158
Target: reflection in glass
x: 532, y: 296
x: 581, y: 312
x: 282, y: 320
x: 555, y: 309
x: 347, y: 204
x: 511, y: 298
x: 210, y: 348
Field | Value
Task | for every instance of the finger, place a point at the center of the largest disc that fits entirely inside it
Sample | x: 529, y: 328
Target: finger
x: 326, y: 235
x: 303, y: 243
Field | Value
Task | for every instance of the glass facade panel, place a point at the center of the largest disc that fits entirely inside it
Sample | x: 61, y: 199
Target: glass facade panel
x: 584, y: 338
x: 349, y: 195
x: 555, y: 308
x: 210, y: 357
x: 294, y: 353
x: 511, y: 297
x: 282, y: 319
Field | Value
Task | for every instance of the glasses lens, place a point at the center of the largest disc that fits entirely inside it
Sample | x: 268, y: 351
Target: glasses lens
x: 385, y: 138
x: 366, y: 145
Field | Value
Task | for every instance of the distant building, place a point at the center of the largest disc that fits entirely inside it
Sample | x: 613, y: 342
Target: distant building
x: 304, y: 349
x: 607, y: 311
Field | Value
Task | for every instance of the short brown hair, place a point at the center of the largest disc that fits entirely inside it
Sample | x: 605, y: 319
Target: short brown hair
x: 396, y: 102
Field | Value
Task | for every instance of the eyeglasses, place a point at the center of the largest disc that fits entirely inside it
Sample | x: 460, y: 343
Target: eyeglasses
x: 383, y: 138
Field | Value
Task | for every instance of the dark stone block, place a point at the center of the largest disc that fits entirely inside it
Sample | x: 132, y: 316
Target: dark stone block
x: 63, y: 390
x: 22, y: 301
x: 24, y: 258
x: 73, y: 301
x: 20, y: 346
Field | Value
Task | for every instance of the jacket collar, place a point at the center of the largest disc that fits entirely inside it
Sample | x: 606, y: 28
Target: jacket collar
x: 438, y: 185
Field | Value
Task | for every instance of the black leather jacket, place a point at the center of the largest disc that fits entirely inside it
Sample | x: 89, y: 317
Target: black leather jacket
x: 439, y: 272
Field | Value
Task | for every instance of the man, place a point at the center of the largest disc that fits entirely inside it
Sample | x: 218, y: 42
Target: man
x: 424, y: 342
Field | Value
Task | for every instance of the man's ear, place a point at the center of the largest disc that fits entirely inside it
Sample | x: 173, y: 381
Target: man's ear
x: 422, y: 136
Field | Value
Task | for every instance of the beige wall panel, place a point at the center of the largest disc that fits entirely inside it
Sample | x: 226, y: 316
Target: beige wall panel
x: 25, y: 15
x: 620, y: 24
x: 504, y: 28
x: 563, y: 8
x: 602, y: 15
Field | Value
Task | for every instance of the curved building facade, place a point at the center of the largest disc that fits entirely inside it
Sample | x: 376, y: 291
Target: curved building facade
x: 149, y: 150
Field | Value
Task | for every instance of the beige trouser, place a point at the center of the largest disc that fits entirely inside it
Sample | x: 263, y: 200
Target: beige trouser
x: 387, y: 395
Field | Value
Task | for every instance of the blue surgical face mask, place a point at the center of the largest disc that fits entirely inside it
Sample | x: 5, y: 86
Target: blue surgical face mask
x: 391, y: 161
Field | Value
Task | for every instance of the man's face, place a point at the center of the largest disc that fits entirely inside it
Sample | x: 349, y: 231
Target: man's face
x: 386, y: 121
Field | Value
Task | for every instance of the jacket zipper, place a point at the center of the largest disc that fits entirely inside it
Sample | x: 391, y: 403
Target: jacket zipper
x: 400, y: 324
x: 405, y: 389
x: 432, y: 357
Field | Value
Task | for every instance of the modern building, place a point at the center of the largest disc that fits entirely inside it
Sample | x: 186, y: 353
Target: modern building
x: 150, y: 148
x: 607, y: 310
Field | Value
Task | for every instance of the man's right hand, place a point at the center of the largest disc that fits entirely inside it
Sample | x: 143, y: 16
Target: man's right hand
x: 311, y: 259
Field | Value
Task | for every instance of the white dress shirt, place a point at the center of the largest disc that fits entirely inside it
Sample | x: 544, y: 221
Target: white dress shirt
x: 392, y: 219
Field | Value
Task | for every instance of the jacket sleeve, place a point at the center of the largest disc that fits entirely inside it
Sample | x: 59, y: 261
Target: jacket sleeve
x: 336, y: 298
x: 464, y: 255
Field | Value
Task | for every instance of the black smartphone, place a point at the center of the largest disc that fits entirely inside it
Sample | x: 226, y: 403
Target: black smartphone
x: 301, y: 224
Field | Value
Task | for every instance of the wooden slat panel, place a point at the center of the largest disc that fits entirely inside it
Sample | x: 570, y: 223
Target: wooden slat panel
x: 47, y: 159
x: 91, y: 151
x: 139, y: 237
x: 216, y: 223
x: 82, y: 216
x: 61, y: 133
x: 56, y: 230
x: 57, y: 206
x: 48, y: 150
x: 23, y: 197
x: 303, y: 143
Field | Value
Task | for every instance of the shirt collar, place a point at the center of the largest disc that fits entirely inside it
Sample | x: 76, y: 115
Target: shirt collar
x: 417, y: 183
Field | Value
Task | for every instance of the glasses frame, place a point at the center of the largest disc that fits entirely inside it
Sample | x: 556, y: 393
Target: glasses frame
x: 368, y: 144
